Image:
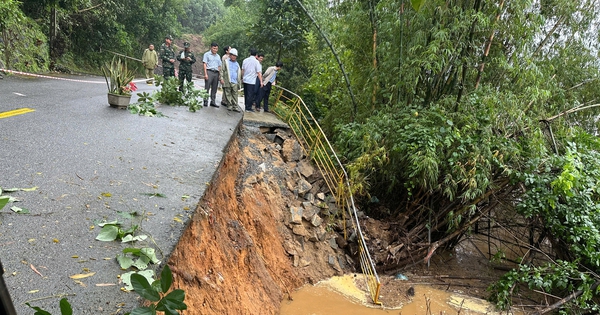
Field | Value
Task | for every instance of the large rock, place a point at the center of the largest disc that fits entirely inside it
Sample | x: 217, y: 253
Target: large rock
x: 300, y: 230
x: 305, y: 168
x: 291, y: 151
x: 309, y: 210
x: 316, y: 220
x: 303, y: 186
x: 296, y: 215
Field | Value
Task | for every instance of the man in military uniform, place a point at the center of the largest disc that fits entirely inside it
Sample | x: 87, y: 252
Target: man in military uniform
x: 167, y: 55
x: 186, y: 59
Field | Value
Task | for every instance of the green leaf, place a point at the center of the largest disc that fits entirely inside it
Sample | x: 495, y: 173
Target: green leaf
x: 115, y: 222
x: 143, y: 311
x: 151, y: 254
x: 132, y: 250
x: 3, y: 201
x: 131, y: 238
x: 143, y: 288
x: 39, y: 311
x: 108, y: 233
x: 417, y: 4
x: 166, y: 278
x: 141, y: 263
x: 124, y: 261
x: 19, y: 210
x: 172, y: 302
x: 65, y: 307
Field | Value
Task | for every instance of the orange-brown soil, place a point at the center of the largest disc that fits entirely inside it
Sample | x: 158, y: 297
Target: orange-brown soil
x: 240, y: 254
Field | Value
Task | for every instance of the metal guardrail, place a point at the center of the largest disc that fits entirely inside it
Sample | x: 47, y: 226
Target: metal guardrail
x: 292, y: 109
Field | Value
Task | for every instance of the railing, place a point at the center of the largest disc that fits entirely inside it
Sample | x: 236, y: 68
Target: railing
x: 291, y: 108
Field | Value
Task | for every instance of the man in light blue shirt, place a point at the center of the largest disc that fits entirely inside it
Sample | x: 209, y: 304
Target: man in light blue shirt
x: 251, y: 71
x: 212, y: 67
x: 265, y: 91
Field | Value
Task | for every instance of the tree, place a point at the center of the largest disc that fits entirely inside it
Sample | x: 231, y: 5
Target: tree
x: 463, y: 105
x: 23, y: 44
x: 200, y: 14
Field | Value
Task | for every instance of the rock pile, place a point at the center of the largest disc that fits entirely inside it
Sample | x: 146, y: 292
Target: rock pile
x: 311, y: 215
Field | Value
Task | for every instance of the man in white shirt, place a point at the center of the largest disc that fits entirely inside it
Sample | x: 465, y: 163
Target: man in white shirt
x: 251, y: 71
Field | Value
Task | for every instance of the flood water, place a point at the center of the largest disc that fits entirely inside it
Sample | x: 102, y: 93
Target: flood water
x: 322, y: 300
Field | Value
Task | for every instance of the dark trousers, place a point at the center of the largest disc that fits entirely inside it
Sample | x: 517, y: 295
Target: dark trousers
x: 168, y: 72
x: 257, y: 91
x: 184, y: 75
x: 211, y: 85
x: 263, y: 96
x: 249, y: 92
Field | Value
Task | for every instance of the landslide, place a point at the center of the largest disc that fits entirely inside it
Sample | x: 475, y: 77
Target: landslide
x: 248, y: 246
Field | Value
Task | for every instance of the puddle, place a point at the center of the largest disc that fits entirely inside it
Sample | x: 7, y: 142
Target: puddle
x: 339, y: 295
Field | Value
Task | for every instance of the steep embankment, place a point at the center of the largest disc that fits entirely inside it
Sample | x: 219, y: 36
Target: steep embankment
x: 261, y: 230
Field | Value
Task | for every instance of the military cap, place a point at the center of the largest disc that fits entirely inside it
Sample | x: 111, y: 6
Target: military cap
x: 169, y: 37
x: 186, y: 44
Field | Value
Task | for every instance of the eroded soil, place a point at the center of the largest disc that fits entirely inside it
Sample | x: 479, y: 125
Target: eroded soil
x: 244, y: 252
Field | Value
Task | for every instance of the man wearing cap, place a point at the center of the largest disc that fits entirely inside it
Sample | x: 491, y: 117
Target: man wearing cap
x: 212, y: 68
x: 150, y: 61
x: 167, y: 55
x: 186, y: 59
x: 231, y: 77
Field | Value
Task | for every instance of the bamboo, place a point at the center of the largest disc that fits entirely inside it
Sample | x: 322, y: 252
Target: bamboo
x: 340, y: 64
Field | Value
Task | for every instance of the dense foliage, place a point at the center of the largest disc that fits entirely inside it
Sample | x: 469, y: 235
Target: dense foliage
x: 83, y: 33
x: 473, y: 107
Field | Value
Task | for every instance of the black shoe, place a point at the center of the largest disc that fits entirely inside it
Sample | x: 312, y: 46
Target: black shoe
x: 267, y: 111
x: 214, y: 105
x: 250, y: 110
x: 205, y: 104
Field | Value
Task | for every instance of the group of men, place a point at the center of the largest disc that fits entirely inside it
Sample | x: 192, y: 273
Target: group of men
x: 225, y: 70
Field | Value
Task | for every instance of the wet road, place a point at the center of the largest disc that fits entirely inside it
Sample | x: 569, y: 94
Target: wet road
x: 86, y: 162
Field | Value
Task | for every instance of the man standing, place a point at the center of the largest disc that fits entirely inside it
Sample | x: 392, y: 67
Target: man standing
x: 231, y: 76
x: 265, y: 91
x: 257, y: 86
x: 186, y: 59
x: 167, y: 55
x: 251, y: 70
x: 223, y: 60
x: 150, y: 61
x: 212, y: 68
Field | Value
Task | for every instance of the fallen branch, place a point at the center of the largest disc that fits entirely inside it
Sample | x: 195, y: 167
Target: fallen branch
x: 564, y: 300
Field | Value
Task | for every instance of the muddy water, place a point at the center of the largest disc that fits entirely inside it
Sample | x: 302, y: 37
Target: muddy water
x: 322, y: 300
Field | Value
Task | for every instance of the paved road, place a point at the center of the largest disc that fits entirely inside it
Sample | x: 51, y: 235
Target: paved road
x: 88, y: 162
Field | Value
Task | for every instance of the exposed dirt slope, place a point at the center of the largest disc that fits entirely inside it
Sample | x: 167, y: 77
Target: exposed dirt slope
x: 242, y: 251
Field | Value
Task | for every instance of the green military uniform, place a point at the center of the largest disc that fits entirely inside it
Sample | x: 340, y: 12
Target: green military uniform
x: 166, y: 54
x: 186, y: 59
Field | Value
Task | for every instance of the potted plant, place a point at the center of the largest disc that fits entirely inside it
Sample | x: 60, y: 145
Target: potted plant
x: 119, y: 82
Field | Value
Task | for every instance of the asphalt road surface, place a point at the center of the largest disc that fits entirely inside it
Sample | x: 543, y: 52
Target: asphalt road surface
x: 83, y: 162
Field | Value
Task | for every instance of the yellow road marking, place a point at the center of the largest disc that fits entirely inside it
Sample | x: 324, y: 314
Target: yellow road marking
x: 15, y: 112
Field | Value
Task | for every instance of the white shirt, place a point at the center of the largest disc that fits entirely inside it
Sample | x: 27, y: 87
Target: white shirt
x: 251, y: 68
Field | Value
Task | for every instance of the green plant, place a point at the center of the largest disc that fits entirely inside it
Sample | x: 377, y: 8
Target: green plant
x: 144, y: 106
x: 168, y: 302
x: 118, y: 77
x: 190, y: 97
x: 113, y: 230
x: 169, y: 93
x: 163, y: 300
